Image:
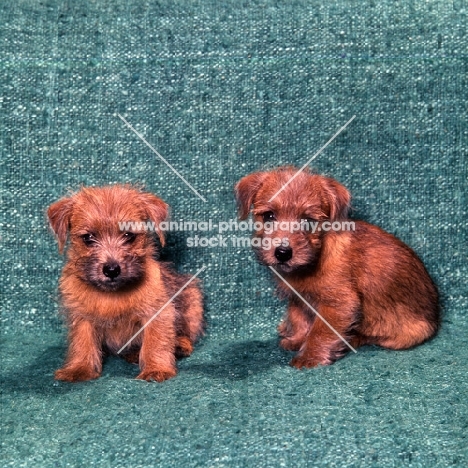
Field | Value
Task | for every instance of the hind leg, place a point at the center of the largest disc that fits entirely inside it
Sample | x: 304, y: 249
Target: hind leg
x: 358, y: 340
x: 400, y: 330
x: 190, y: 320
x: 133, y: 356
x: 184, y: 347
x: 411, y: 334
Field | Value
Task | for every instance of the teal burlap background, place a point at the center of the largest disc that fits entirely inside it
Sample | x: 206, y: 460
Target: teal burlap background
x: 220, y: 89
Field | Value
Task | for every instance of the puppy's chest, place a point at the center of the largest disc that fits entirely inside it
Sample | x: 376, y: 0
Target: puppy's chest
x: 312, y: 289
x: 117, y: 332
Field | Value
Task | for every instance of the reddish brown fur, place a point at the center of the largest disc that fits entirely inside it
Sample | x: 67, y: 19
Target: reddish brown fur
x: 369, y: 286
x: 102, y: 312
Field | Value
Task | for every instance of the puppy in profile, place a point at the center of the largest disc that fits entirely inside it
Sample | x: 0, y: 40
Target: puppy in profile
x: 112, y: 286
x: 368, y: 285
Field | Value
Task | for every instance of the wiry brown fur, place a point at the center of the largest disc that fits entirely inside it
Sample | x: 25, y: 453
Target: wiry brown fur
x: 368, y: 285
x: 103, y: 312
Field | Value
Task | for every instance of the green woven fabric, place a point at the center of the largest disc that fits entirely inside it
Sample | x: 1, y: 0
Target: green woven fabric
x: 220, y: 89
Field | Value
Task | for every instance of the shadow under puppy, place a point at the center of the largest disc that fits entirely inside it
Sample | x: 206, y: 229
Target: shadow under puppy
x: 368, y: 285
x: 112, y: 286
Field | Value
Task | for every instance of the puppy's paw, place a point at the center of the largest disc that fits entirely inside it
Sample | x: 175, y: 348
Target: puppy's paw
x: 290, y: 345
x: 184, y: 346
x: 283, y: 329
x: 76, y: 374
x: 157, y: 375
x: 308, y: 362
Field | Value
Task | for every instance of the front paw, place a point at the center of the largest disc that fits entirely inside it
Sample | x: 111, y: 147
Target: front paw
x: 301, y: 361
x: 157, y: 375
x: 76, y: 374
x: 290, y: 345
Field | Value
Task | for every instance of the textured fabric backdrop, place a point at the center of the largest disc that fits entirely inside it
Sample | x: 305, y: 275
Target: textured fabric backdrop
x: 220, y: 89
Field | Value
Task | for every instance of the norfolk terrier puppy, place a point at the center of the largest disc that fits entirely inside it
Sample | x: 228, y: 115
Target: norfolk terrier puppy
x: 112, y: 287
x: 366, y: 284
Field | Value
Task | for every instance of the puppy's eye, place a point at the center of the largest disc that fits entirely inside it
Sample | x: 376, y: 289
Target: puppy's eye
x: 268, y: 216
x: 89, y: 239
x: 129, y: 237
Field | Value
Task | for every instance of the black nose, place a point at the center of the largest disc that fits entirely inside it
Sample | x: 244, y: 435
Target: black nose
x: 283, y: 254
x: 111, y: 270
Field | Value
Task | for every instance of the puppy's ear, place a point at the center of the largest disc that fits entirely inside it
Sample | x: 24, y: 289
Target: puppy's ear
x: 338, y: 198
x: 156, y: 210
x: 59, y: 214
x: 245, y: 191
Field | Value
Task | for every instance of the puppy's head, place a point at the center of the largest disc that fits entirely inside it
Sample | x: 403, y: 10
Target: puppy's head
x: 289, y: 210
x: 110, y: 231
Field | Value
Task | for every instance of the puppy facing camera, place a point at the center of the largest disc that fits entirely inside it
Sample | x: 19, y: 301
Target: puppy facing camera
x: 116, y: 298
x: 348, y: 283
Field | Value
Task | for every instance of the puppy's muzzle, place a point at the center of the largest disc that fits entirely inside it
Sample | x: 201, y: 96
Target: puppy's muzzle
x: 111, y: 270
x: 283, y: 254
